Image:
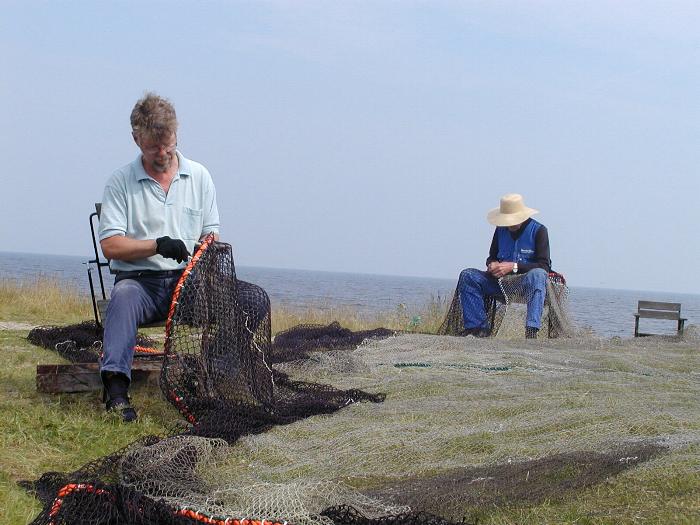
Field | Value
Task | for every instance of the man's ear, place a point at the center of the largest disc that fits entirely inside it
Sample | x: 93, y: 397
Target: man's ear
x: 136, y: 139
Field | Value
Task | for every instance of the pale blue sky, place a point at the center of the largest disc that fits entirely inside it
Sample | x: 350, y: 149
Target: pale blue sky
x: 372, y: 136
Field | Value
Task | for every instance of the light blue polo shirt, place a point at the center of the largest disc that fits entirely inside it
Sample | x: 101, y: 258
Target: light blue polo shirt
x: 135, y: 205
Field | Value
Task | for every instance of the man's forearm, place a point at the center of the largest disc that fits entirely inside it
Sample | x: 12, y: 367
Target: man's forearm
x: 122, y: 248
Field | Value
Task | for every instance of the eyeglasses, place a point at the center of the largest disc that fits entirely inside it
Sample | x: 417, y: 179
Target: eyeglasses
x: 153, y: 150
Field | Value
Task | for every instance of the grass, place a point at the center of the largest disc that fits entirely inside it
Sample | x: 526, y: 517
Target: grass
x: 425, y: 319
x: 43, y: 301
x: 40, y: 433
x: 46, y: 301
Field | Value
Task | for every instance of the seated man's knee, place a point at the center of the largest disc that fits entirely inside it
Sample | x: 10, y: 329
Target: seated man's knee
x: 538, y: 277
x: 469, y: 275
x: 125, y: 292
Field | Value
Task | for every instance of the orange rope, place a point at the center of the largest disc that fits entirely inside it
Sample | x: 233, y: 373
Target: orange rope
x: 179, y: 401
x: 147, y: 350
x: 182, y: 407
x: 188, y: 513
x: 69, y: 489
x: 208, y: 240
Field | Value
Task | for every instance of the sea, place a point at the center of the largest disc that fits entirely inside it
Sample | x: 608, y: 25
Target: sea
x: 605, y: 312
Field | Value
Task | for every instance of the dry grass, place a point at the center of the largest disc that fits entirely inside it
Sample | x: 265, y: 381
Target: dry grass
x: 42, y: 301
x: 47, y: 301
x: 426, y: 319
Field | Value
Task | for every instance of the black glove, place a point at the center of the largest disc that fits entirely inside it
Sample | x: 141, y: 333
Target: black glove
x: 172, y: 248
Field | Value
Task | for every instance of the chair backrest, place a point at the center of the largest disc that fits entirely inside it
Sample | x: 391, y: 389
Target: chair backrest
x: 98, y: 265
x: 659, y: 310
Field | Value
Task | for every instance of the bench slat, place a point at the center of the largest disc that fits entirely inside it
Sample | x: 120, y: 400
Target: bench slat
x: 656, y: 314
x: 654, y: 305
x: 85, y: 377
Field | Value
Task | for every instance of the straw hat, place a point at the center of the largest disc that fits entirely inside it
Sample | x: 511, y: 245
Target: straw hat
x: 511, y: 212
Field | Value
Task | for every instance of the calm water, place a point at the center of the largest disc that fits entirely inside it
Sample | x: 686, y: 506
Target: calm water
x: 606, y: 312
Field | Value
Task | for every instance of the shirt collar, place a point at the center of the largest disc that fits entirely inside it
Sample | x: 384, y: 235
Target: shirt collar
x: 184, y: 168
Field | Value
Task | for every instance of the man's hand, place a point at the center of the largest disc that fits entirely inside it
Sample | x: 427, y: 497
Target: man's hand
x: 499, y: 269
x: 172, y: 248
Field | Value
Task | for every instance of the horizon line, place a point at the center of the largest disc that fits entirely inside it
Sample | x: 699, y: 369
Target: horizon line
x: 591, y: 287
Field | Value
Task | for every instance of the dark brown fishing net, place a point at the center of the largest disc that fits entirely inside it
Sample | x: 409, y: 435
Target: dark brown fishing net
x: 528, y: 482
x: 298, y: 342
x: 82, y: 342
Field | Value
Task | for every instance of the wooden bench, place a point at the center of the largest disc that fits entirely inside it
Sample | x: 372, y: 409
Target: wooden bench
x: 658, y: 310
x: 85, y: 377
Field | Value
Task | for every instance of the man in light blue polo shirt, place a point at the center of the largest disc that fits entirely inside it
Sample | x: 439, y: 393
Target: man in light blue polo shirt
x: 154, y: 210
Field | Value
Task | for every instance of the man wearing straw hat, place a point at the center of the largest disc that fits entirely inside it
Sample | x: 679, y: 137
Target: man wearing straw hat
x: 520, y: 246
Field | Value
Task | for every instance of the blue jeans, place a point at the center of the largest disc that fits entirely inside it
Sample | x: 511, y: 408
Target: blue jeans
x: 475, y: 284
x: 145, y: 300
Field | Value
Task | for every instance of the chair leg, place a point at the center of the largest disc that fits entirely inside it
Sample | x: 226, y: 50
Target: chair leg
x: 636, y: 326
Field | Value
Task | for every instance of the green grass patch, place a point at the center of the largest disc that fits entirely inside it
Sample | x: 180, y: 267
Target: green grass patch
x: 45, y: 432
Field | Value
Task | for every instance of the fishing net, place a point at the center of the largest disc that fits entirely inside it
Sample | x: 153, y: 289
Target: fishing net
x: 506, y: 311
x: 298, y: 342
x: 216, y: 373
x: 82, y: 342
x: 450, y: 426
x: 467, y: 424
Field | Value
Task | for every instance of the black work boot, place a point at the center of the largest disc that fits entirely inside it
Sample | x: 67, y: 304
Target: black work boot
x: 531, y: 332
x: 116, y: 395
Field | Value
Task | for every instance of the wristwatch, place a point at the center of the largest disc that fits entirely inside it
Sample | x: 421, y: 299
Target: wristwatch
x: 515, y: 267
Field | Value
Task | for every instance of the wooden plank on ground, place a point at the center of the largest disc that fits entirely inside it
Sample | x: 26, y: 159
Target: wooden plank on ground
x: 85, y: 377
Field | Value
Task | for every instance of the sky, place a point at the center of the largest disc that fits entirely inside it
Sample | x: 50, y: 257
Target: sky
x: 372, y: 137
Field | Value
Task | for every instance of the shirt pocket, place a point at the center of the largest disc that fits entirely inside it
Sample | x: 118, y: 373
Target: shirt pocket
x: 191, y: 223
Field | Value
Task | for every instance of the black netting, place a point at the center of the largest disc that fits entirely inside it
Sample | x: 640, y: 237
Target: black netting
x: 348, y: 515
x: 297, y: 342
x: 82, y: 342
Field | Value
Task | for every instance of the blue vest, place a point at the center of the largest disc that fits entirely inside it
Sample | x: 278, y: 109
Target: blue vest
x: 520, y: 250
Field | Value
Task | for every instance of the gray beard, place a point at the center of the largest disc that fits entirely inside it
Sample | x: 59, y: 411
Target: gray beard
x: 161, y: 168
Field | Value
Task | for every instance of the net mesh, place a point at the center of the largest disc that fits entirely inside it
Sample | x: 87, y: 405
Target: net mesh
x: 453, y: 424
x: 507, y: 310
x: 82, y: 342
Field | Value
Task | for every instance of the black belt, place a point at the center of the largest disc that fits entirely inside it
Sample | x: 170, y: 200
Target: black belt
x: 154, y: 274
